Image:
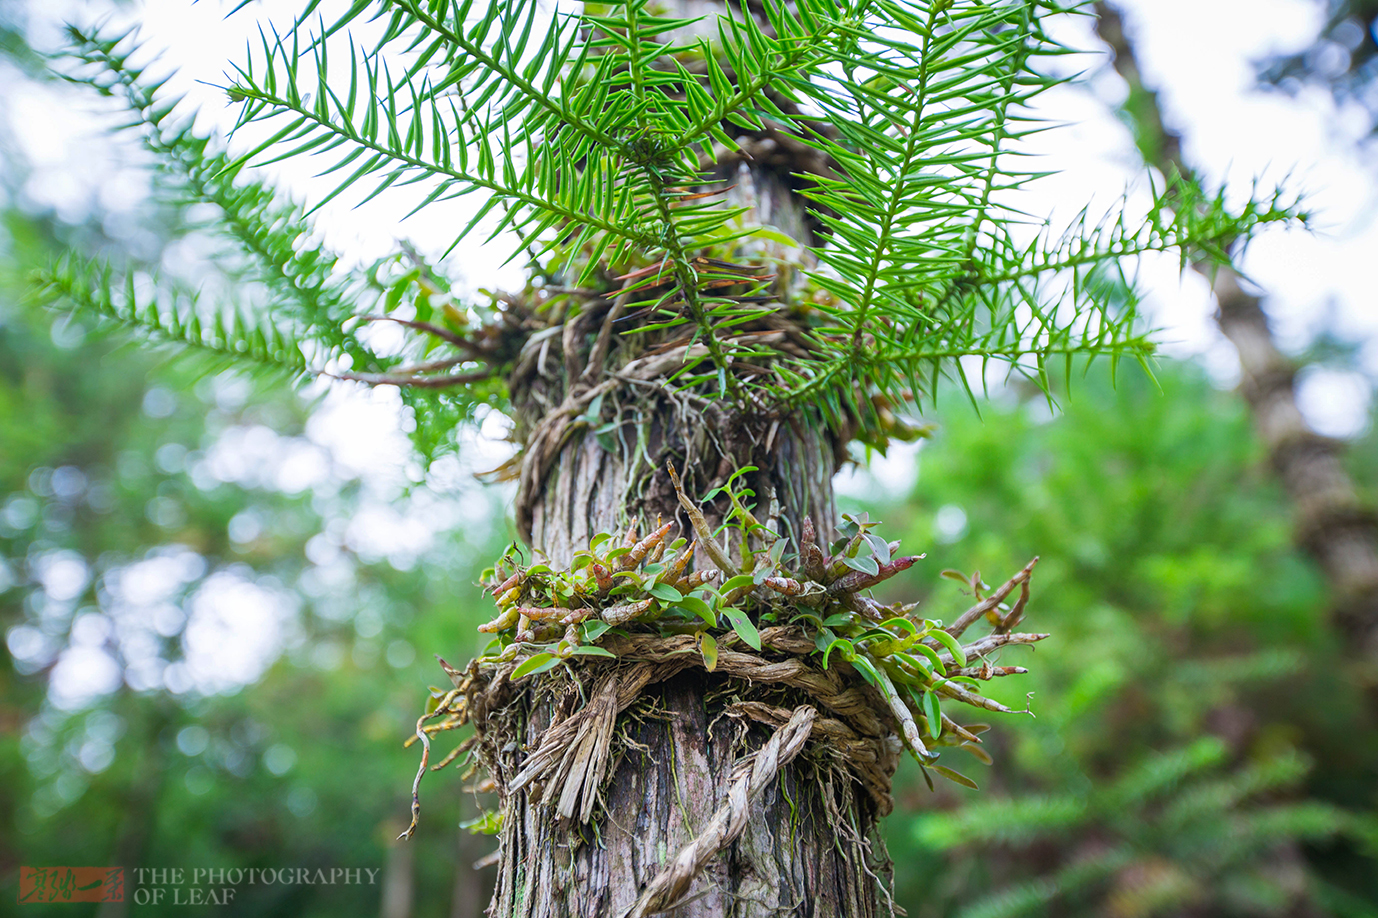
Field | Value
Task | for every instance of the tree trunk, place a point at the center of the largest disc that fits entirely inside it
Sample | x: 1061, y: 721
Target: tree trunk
x: 810, y: 846
x: 601, y: 421
x: 1333, y: 525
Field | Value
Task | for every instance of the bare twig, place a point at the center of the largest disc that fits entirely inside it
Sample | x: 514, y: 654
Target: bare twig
x: 991, y: 602
x: 702, y: 529
x: 418, y: 382
x: 444, y: 334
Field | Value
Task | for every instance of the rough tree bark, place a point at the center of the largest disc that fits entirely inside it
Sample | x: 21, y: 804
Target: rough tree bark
x: 1333, y: 524
x: 678, y: 751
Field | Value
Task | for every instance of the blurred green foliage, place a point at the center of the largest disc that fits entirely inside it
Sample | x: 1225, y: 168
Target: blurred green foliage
x: 104, y: 470
x: 1197, y: 748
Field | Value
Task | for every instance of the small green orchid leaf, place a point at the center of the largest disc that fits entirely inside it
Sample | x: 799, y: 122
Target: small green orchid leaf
x: 694, y: 605
x: 879, y: 547
x: 900, y: 623
x: 744, y: 627
x: 933, y: 713
x: 864, y: 563
x: 868, y: 672
x: 844, y: 647
x: 590, y: 651
x: 954, y: 776
x: 708, y: 647
x: 952, y: 645
x: 923, y: 666
x: 592, y: 630
x: 666, y: 593
x: 741, y: 581
x: 536, y: 663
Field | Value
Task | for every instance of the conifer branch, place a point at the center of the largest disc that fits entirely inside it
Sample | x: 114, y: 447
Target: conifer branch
x: 168, y: 314
x: 585, y: 141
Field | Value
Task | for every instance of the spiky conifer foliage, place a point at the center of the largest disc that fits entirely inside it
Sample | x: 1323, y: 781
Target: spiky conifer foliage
x: 591, y: 136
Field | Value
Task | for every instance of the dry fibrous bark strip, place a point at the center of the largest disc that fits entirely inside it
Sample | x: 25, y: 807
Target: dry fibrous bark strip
x: 750, y: 776
x: 572, y: 758
x: 872, y: 762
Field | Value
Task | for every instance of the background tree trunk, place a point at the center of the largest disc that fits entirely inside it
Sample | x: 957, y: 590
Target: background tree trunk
x: 1332, y: 523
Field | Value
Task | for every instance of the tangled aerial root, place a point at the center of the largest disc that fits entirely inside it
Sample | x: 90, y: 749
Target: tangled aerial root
x: 798, y: 649
x: 569, y: 765
x: 572, y: 756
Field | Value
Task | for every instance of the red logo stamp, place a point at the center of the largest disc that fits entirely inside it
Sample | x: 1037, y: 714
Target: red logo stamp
x: 71, y: 884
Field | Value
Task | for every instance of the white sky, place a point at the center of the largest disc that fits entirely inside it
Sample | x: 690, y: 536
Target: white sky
x: 1198, y: 53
